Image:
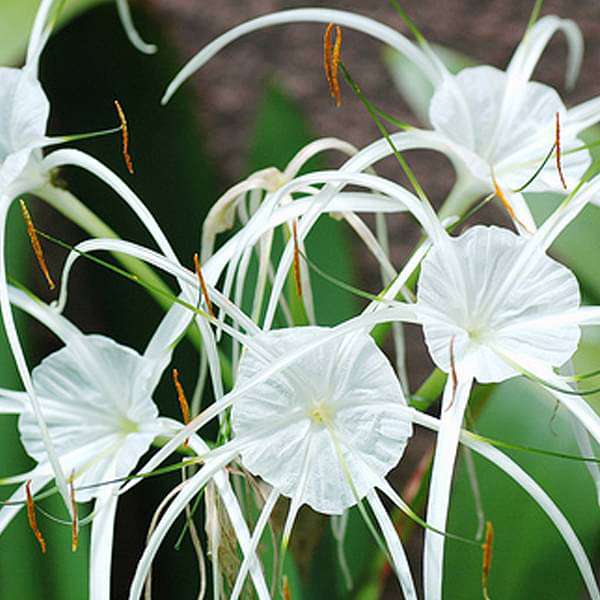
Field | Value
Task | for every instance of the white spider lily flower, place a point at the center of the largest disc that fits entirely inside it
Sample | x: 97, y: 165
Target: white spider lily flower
x: 309, y: 449
x: 497, y: 127
x: 325, y: 432
x: 24, y: 111
x: 96, y: 397
x: 493, y: 305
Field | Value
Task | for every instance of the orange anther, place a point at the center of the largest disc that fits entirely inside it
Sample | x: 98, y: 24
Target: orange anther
x: 331, y: 60
x: 509, y: 209
x: 125, y: 137
x: 183, y: 403
x: 487, y: 557
x: 558, y: 153
x: 35, y: 244
x: 31, y: 517
x: 297, y: 278
x: 203, y: 286
x: 75, y: 524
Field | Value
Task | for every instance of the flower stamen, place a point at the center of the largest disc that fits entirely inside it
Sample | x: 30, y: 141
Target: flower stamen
x: 331, y: 60
x: 297, y: 277
x: 453, y: 376
x: 203, y: 286
x: 125, y: 137
x: 36, y: 244
x: 75, y: 525
x: 558, y: 153
x: 183, y: 403
x: 509, y: 209
x: 31, y: 517
x: 487, y: 558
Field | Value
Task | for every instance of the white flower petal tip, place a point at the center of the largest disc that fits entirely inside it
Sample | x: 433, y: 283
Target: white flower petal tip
x: 24, y: 111
x: 131, y: 31
x: 335, y: 410
x: 95, y: 396
x: 492, y: 289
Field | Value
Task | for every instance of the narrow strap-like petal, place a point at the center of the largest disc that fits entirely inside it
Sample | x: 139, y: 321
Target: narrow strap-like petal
x: 373, y: 28
x: 101, y: 550
x: 456, y: 396
x: 130, y: 29
x: 401, y: 566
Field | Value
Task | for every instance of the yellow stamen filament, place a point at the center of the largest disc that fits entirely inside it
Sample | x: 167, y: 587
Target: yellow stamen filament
x: 183, y: 403
x: 558, y: 153
x: 297, y: 278
x: 487, y: 558
x: 75, y: 525
x: 203, y: 286
x: 31, y: 517
x: 509, y: 209
x: 331, y: 60
x: 36, y: 244
x: 125, y: 137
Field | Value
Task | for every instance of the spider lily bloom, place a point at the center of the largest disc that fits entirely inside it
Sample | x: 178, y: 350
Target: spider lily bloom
x: 497, y: 127
x: 324, y: 432
x: 24, y: 110
x: 319, y: 414
x: 494, y: 305
x: 97, y: 398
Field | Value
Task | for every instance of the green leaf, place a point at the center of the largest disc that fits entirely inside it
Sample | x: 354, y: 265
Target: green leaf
x: 16, y: 19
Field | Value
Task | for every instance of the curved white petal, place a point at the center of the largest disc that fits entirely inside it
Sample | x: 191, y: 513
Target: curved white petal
x: 256, y: 535
x: 377, y: 30
x: 131, y: 31
x: 529, y: 51
x: 188, y: 491
x: 533, y: 489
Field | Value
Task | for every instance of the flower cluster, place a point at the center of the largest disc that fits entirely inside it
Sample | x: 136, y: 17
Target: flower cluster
x: 315, y: 414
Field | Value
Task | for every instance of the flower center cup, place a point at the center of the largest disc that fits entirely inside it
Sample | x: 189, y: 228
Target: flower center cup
x: 496, y: 293
x: 331, y: 451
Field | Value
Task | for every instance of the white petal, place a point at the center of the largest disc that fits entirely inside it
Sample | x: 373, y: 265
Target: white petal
x: 377, y: 30
x: 453, y: 406
x: 103, y: 528
x: 354, y: 385
x: 482, y: 290
x: 131, y: 31
x: 533, y: 489
x: 394, y: 544
x: 189, y: 490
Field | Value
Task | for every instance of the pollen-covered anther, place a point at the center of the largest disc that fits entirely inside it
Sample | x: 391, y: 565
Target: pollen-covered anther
x: 75, y: 523
x: 331, y: 60
x: 203, y: 286
x: 487, y: 558
x: 453, y: 375
x: 558, y: 153
x: 183, y: 403
x: 36, y: 244
x: 297, y: 277
x: 32, y: 518
x: 125, y: 137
